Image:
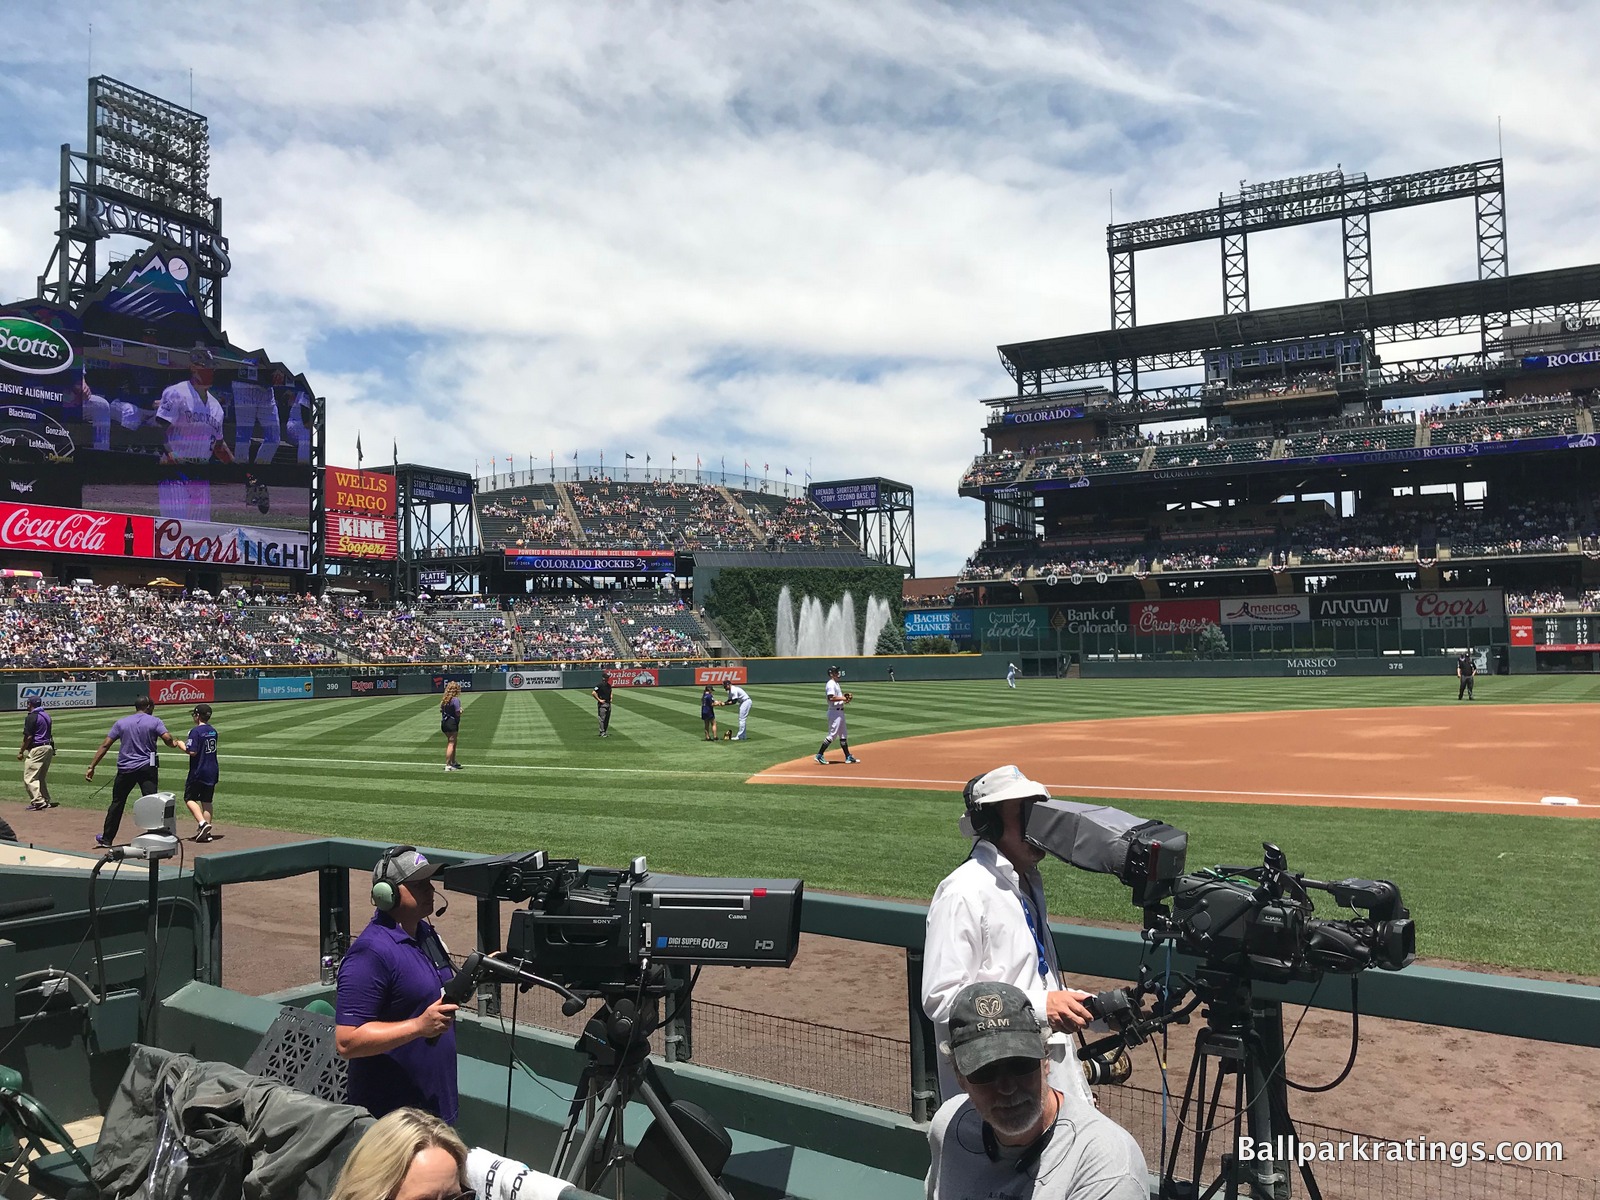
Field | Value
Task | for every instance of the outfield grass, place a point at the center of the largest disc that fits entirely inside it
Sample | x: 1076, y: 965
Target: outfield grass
x: 1513, y: 891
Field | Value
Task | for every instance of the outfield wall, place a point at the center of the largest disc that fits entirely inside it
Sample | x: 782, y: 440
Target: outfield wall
x: 1304, y: 666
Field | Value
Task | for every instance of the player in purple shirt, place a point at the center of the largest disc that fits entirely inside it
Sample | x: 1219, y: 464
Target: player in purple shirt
x: 138, y: 734
x: 392, y: 1022
x: 38, y: 748
x: 200, y: 789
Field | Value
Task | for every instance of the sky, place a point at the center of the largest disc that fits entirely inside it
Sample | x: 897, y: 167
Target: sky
x: 788, y: 234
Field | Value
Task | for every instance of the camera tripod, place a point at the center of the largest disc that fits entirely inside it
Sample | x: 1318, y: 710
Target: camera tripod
x: 617, y: 1043
x: 1245, y: 1037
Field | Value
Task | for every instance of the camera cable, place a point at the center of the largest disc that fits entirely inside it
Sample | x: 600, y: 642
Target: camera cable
x: 1355, y: 1041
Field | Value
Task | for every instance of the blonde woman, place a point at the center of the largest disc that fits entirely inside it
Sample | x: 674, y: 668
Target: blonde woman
x: 450, y: 723
x: 406, y: 1155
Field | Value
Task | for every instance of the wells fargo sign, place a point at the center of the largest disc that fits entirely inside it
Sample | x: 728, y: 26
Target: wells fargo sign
x: 365, y: 492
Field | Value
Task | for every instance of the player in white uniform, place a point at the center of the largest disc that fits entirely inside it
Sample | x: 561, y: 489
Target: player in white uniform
x: 837, y: 728
x: 95, y: 410
x: 1011, y: 674
x: 299, y: 430
x: 192, y: 416
x: 255, y: 404
x: 736, y: 695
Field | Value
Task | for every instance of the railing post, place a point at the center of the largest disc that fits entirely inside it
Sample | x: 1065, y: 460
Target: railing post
x: 333, y: 894
x: 489, y: 942
x: 209, y: 897
x: 924, y: 1046
x: 679, y: 1038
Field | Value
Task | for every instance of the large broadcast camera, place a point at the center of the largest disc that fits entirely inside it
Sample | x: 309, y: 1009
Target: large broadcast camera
x: 1246, y: 925
x: 614, y: 935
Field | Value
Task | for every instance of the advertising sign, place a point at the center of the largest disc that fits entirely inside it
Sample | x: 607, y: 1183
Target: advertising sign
x: 366, y: 492
x: 1038, y: 416
x: 297, y: 687
x: 844, y: 495
x: 232, y: 545
x: 183, y: 691
x: 464, y: 678
x: 1011, y: 624
x: 1350, y: 611
x: 1166, y: 618
x: 73, y: 531
x: 1452, y: 610
x: 58, y: 695
x: 923, y: 622
x: 633, y: 677
x: 1522, y: 631
x: 363, y: 537
x: 1562, y: 358
x: 705, y: 675
x: 332, y: 685
x: 367, y: 685
x: 592, y: 562
x: 441, y: 487
x: 533, y: 681
x: 434, y: 581
x: 1089, y: 618
x: 1276, y: 610
x: 961, y: 624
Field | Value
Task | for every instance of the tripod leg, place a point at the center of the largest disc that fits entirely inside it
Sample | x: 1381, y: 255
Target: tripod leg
x: 1196, y: 1067
x: 708, y: 1184
x: 607, y: 1119
x: 582, y: 1098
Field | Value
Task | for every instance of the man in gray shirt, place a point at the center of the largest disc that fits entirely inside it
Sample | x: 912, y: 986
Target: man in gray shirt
x: 1011, y: 1136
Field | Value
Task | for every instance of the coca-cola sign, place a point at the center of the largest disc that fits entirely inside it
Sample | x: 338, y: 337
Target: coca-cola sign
x: 1171, y: 618
x: 183, y: 691
x: 40, y: 527
x: 1452, y: 610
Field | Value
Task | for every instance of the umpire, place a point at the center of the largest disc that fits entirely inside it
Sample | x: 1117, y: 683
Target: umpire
x: 1466, y: 669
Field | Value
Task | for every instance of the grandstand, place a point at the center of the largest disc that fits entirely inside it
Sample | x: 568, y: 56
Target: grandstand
x: 1317, y: 448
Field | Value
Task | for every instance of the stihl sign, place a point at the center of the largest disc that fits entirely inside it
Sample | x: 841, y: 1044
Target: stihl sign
x: 705, y: 675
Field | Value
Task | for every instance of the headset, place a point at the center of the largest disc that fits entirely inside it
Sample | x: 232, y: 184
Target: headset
x: 986, y: 819
x: 384, y: 893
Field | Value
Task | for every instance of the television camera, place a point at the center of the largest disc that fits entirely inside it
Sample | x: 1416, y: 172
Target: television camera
x: 626, y: 937
x: 1245, y: 925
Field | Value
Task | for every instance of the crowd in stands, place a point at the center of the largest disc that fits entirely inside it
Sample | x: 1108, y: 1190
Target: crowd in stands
x: 1522, y: 604
x: 1526, y: 527
x: 533, y: 522
x: 1220, y: 556
x: 987, y: 469
x: 1501, y: 404
x: 1377, y: 536
x: 1590, y: 601
x: 792, y: 521
x: 99, y: 632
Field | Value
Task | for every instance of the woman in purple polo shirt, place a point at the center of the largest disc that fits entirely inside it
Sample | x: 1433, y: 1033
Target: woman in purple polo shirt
x: 450, y: 723
x: 392, y: 1022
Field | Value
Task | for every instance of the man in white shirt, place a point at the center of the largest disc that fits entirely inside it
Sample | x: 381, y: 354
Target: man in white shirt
x: 1012, y: 1136
x: 987, y: 922
x: 736, y: 696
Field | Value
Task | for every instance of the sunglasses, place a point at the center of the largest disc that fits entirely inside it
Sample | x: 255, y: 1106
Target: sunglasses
x: 995, y: 1071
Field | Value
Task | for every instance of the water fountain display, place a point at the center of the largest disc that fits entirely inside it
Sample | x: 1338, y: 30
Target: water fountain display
x: 819, y: 631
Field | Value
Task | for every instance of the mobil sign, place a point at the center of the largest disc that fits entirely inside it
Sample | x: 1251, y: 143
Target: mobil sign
x: 705, y: 675
x: 1452, y: 610
x: 183, y: 691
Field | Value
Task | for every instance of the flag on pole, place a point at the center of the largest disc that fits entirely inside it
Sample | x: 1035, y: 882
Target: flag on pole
x: 358, y: 450
x: 395, y: 445
x: 786, y: 471
x: 625, y: 454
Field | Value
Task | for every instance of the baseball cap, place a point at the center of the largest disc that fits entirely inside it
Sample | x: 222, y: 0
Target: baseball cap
x: 203, y: 711
x: 410, y: 866
x: 835, y: 671
x: 990, y: 1022
x: 1006, y: 783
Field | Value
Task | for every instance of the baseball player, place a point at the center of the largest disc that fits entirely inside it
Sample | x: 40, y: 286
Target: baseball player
x: 299, y: 429
x: 1011, y: 675
x: 93, y: 410
x: 837, y: 728
x: 192, y: 417
x: 736, y: 696
x: 255, y: 404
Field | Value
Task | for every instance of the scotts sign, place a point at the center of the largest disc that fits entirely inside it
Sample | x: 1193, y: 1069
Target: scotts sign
x: 705, y: 675
x: 74, y: 531
x: 183, y: 691
x: 1452, y: 610
x: 637, y: 677
x: 32, y: 348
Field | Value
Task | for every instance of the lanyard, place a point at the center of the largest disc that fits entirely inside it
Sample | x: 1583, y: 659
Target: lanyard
x: 1035, y: 930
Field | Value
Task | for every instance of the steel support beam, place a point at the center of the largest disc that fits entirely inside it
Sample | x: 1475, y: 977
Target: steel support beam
x: 1235, y: 264
x: 1357, y: 227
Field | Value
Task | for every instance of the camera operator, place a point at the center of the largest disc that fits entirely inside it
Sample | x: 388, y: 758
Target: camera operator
x: 1012, y: 1135
x: 987, y: 921
x: 392, y: 1022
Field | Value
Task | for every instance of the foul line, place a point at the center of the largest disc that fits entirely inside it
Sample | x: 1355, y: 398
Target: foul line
x: 1096, y: 789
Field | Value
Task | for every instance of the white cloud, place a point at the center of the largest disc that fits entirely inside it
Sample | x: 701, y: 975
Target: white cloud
x: 789, y: 234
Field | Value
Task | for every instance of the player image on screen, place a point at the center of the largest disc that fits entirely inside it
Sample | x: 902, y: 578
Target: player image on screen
x: 255, y: 406
x: 299, y: 425
x: 191, y: 416
x: 94, y: 411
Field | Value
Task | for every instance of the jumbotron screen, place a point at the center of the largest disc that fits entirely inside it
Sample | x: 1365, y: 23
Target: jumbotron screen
x: 94, y: 418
